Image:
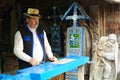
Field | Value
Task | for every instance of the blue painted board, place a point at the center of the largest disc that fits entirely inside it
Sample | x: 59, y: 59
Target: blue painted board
x: 22, y: 76
x: 49, y: 69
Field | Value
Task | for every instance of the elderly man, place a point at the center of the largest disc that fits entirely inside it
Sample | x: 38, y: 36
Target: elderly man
x: 31, y: 44
x: 105, y: 59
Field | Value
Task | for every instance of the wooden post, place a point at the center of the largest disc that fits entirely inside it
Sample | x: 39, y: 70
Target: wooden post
x: 101, y: 18
x: 81, y: 72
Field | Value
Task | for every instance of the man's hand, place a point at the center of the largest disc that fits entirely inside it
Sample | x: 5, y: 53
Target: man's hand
x: 33, y: 62
x: 53, y: 59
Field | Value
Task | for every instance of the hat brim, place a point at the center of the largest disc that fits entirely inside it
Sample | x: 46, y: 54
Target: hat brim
x: 33, y: 16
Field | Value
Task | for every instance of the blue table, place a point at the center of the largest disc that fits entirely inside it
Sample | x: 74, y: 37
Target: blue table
x: 48, y: 70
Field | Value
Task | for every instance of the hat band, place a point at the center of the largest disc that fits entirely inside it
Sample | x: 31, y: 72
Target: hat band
x: 34, y: 14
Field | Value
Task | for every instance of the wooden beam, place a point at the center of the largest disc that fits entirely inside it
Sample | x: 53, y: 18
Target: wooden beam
x: 101, y: 18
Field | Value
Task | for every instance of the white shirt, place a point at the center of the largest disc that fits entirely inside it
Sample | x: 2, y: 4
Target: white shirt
x: 37, y: 50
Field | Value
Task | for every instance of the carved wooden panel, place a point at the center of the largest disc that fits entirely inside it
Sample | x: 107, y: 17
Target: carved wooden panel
x: 94, y: 22
x: 112, y: 16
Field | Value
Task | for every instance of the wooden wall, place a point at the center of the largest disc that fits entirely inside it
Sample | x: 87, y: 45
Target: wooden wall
x: 112, y: 19
x: 105, y: 19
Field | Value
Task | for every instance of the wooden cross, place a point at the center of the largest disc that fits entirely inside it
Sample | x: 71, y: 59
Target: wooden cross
x: 76, y: 8
x: 54, y: 16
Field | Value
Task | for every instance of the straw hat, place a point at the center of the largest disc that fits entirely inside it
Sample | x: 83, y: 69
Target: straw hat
x: 32, y: 12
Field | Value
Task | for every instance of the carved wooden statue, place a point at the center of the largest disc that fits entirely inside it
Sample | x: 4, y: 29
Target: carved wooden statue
x: 104, y: 59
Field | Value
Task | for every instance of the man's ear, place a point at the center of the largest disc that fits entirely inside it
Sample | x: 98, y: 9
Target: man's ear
x: 27, y: 19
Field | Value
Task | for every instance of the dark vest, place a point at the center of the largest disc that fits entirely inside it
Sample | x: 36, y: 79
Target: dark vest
x: 28, y: 41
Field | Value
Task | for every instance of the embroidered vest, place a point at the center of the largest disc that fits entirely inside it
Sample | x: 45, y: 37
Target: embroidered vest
x: 27, y: 37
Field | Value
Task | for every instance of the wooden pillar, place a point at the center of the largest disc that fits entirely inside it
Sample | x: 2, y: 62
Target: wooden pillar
x: 81, y: 72
x: 101, y: 19
x: 1, y: 22
x: 13, y: 24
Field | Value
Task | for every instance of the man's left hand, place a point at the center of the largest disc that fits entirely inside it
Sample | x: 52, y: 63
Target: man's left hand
x: 53, y: 59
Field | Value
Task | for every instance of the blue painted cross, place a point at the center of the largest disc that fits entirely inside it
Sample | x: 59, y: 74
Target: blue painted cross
x: 78, y: 13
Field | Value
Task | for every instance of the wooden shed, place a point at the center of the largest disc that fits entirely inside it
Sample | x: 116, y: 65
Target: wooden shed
x: 104, y: 14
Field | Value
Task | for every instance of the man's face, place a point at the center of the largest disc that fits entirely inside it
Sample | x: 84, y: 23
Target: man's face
x: 33, y: 22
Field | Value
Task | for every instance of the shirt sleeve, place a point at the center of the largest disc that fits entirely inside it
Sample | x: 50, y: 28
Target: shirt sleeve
x: 47, y: 46
x: 18, y: 48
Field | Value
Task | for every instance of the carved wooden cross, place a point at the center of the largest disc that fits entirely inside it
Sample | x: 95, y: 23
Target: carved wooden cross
x: 78, y: 13
x: 55, y: 15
